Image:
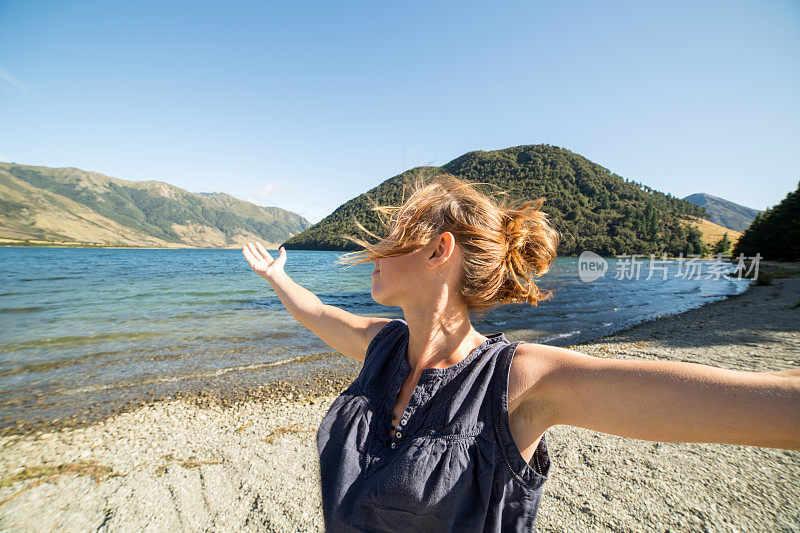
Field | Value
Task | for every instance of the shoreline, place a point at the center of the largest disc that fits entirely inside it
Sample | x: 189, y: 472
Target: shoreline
x: 337, y: 373
x: 250, y: 462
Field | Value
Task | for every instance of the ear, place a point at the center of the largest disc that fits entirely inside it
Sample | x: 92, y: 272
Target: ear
x: 444, y: 245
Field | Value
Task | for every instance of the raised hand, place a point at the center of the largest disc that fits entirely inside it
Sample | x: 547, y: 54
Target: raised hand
x: 262, y: 262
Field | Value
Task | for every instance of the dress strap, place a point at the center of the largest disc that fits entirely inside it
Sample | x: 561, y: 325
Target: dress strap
x: 379, y: 360
x: 391, y: 329
x: 532, y: 474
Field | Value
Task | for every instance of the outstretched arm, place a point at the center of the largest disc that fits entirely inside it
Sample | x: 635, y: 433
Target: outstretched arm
x: 664, y: 401
x: 343, y: 331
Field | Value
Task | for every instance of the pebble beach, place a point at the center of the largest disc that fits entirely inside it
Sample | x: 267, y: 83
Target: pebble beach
x: 249, y: 463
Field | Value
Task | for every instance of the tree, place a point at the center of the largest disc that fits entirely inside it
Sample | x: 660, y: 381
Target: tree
x: 723, y: 245
x: 775, y: 234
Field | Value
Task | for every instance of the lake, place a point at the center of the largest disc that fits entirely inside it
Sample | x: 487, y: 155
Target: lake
x: 83, y: 327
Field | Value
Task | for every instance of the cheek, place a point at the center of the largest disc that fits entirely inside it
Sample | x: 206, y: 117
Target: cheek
x: 385, y: 278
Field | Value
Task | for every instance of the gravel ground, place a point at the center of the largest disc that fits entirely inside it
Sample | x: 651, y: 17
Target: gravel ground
x: 202, y: 464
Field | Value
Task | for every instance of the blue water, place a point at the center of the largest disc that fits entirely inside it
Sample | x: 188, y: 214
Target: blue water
x: 81, y: 326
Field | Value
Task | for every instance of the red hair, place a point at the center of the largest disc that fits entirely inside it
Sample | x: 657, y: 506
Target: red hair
x: 504, y: 247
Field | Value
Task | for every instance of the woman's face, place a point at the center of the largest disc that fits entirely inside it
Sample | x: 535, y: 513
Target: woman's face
x: 397, y: 279
x: 407, y: 280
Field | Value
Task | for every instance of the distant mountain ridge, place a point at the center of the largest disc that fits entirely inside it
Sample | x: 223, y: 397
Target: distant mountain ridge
x: 593, y: 208
x: 61, y: 205
x: 724, y: 212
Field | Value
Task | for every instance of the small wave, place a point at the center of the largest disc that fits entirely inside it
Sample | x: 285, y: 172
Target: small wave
x: 48, y: 279
x: 185, y: 377
x: 560, y: 336
x: 241, y: 338
x: 216, y: 293
x: 21, y: 310
x: 98, y: 360
x: 77, y: 340
x: 38, y: 291
x: 693, y: 290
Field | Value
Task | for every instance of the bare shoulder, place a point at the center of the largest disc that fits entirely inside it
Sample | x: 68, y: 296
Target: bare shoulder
x: 528, y: 367
x: 533, y: 360
x: 352, y: 334
x: 375, y: 326
x: 536, y: 371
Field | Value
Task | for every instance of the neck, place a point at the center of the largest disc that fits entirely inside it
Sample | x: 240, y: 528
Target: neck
x: 440, y: 341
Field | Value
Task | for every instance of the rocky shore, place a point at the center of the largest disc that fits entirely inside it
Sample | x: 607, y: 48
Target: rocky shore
x: 205, y: 463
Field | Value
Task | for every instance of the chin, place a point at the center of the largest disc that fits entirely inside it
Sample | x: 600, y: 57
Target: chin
x: 378, y: 298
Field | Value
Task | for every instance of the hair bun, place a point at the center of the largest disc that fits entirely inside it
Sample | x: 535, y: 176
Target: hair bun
x: 514, y: 230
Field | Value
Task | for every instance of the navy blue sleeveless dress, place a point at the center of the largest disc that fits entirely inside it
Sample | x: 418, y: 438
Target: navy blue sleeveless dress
x: 450, y: 465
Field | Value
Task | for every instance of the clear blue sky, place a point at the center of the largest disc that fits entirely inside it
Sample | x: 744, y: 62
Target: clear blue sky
x: 305, y: 105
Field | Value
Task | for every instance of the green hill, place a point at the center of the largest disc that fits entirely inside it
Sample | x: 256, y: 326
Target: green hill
x: 592, y: 207
x: 723, y: 212
x: 58, y: 205
x: 775, y: 234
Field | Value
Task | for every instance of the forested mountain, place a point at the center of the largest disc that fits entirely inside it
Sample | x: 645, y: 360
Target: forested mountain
x: 727, y: 214
x: 70, y: 205
x: 593, y: 208
x: 775, y: 233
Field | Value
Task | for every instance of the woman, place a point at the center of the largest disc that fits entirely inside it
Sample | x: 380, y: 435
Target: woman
x: 443, y: 430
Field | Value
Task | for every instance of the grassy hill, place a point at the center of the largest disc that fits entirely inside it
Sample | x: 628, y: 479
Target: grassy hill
x: 724, y: 213
x: 711, y: 233
x: 592, y: 207
x: 41, y: 205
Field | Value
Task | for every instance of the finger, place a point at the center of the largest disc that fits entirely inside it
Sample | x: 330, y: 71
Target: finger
x: 254, y: 251
x: 248, y: 254
x: 264, y: 251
